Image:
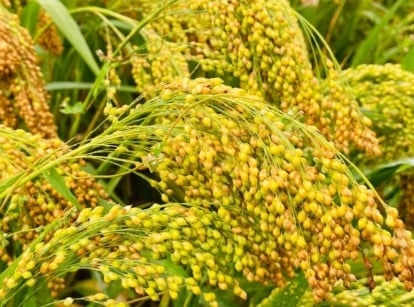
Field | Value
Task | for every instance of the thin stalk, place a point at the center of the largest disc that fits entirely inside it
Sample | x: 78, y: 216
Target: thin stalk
x: 95, y: 118
x: 104, y: 11
x: 165, y: 300
x: 105, y: 68
x: 9, y: 271
x: 333, y: 22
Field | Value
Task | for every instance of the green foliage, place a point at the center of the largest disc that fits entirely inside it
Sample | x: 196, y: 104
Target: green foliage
x: 70, y: 29
x: 370, y: 32
x: 289, y: 296
x: 58, y: 183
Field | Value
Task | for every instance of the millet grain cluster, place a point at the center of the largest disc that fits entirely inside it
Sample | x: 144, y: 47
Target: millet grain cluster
x: 23, y: 98
x: 140, y: 249
x: 49, y: 38
x: 290, y: 199
x: 162, y: 62
x: 259, y: 46
x: 37, y: 203
x: 386, y: 92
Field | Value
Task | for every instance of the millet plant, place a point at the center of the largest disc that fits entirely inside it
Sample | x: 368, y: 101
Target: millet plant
x: 211, y: 153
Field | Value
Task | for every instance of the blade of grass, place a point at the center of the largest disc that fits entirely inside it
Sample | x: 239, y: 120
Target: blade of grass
x: 29, y: 16
x: 70, y: 29
x: 408, y: 60
x: 383, y: 173
x: 58, y: 86
x: 57, y: 181
x: 98, y: 82
x: 366, y: 49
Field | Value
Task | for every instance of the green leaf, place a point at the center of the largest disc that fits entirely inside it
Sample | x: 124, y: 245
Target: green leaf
x: 9, y: 182
x: 256, y: 291
x: 289, y: 296
x: 29, y: 16
x: 172, y: 268
x: 30, y: 302
x: 88, y: 286
x: 35, y: 296
x: 185, y: 298
x: 157, y: 150
x: 58, y: 86
x: 70, y: 29
x: 408, y: 60
x: 100, y: 78
x: 114, y: 289
x: 225, y: 298
x: 57, y: 181
x: 366, y: 49
x: 382, y: 173
x: 77, y: 108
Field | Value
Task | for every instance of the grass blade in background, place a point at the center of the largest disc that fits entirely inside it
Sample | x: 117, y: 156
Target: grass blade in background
x: 70, y: 30
x: 57, y: 181
x: 408, y: 60
x: 59, y: 86
x: 383, y: 173
x: 29, y: 17
x: 366, y: 50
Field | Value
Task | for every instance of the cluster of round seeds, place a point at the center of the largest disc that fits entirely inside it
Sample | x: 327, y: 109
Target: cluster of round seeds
x: 386, y: 92
x: 141, y: 249
x: 38, y: 202
x: 21, y: 82
x: 264, y: 45
x: 181, y: 21
x: 259, y: 45
x: 350, y: 125
x: 386, y: 293
x: 7, y: 3
x: 298, y: 206
x: 268, y: 195
x: 406, y: 200
x: 6, y: 110
x: 49, y: 38
x: 160, y: 63
x: 113, y: 80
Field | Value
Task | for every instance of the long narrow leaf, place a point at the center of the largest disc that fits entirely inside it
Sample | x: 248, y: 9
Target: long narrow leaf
x: 59, y: 86
x: 57, y: 181
x: 408, y: 60
x: 366, y: 49
x: 383, y: 173
x: 29, y: 16
x: 70, y: 29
